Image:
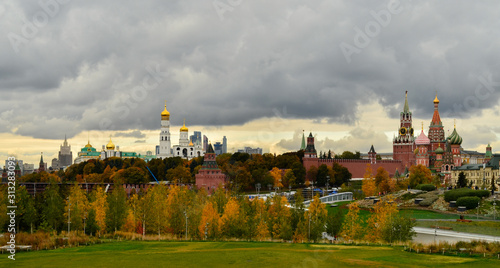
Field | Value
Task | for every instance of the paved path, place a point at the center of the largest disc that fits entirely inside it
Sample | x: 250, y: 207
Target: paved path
x: 451, y: 236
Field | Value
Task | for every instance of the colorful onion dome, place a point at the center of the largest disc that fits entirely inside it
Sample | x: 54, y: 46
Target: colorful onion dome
x: 454, y: 138
x: 439, y: 150
x: 422, y: 139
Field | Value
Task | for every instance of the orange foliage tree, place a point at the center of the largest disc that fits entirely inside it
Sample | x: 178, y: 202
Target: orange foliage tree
x: 382, y: 213
x: 368, y: 187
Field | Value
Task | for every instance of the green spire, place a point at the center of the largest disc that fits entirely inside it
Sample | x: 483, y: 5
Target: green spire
x: 407, y: 108
x: 303, y: 146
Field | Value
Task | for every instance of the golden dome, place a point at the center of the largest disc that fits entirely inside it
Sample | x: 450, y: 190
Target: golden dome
x: 88, y: 145
x: 191, y: 143
x: 110, y: 145
x: 184, y: 128
x: 436, y: 99
x: 165, y: 115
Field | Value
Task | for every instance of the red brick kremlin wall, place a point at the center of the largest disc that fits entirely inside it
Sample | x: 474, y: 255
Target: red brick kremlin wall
x: 357, y: 167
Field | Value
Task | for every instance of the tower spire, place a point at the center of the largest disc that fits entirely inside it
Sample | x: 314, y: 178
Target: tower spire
x: 407, y: 107
x: 303, y: 145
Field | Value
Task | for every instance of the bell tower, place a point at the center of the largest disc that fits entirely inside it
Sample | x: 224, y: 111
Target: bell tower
x: 403, y: 145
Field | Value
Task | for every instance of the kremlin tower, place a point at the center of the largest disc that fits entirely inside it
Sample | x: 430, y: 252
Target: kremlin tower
x: 404, y: 144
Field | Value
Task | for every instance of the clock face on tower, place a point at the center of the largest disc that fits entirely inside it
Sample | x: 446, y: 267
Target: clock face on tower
x: 411, y: 131
x: 402, y: 131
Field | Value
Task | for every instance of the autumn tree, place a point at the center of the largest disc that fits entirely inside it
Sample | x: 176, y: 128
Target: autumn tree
x: 156, y: 205
x: 115, y: 213
x: 100, y: 205
x: 352, y: 228
x: 334, y: 223
x: 276, y: 174
x: 317, y: 216
x: 179, y: 174
x: 382, y: 213
x: 419, y: 174
x: 368, y: 187
x: 76, y: 206
x: 210, y: 221
x: 278, y: 218
x: 232, y: 221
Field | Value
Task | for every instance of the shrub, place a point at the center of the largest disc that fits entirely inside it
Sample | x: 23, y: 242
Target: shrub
x: 469, y: 202
x: 454, y: 195
x: 426, y: 187
x: 428, y: 201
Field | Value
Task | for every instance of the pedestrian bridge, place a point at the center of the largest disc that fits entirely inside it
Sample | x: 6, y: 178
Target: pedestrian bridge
x: 328, y: 199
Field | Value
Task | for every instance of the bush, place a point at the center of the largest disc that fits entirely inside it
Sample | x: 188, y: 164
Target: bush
x: 469, y: 202
x: 429, y: 198
x: 426, y: 187
x: 454, y: 195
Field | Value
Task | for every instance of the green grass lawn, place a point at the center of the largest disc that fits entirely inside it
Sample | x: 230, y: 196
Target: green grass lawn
x: 476, y: 227
x: 425, y: 214
x: 235, y: 254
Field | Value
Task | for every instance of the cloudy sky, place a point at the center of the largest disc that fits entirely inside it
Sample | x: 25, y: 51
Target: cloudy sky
x: 256, y: 71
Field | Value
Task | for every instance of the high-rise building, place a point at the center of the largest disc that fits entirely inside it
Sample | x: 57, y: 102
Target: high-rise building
x: 205, y: 143
x: 218, y: 148
x: 196, y: 137
x: 65, y: 155
x: 224, y: 145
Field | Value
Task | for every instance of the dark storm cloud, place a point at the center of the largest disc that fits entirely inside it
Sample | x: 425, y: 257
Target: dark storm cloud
x: 109, y: 65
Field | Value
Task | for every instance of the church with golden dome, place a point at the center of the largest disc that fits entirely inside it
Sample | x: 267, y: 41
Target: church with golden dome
x: 185, y: 149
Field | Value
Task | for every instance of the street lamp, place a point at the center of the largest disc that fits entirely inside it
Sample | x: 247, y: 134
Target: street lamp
x: 69, y: 214
x: 185, y: 214
x: 327, y: 182
x: 257, y: 186
x: 494, y: 207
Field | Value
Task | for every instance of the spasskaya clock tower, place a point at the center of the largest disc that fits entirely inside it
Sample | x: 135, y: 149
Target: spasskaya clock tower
x: 403, y: 145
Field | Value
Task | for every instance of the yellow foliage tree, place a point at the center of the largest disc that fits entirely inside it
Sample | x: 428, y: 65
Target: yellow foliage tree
x: 382, y: 213
x: 232, y: 220
x: 351, y: 229
x: 277, y: 174
x: 210, y: 221
x: 77, y: 206
x: 99, y: 205
x: 262, y: 231
x: 316, y: 215
x: 368, y: 187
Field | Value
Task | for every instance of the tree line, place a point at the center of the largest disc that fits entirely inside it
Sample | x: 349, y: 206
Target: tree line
x: 244, y: 171
x: 178, y: 211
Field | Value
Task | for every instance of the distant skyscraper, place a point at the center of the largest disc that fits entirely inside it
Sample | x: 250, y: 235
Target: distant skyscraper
x: 196, y: 137
x: 218, y: 148
x: 65, y: 155
x: 205, y: 143
x: 55, y: 164
x: 224, y: 145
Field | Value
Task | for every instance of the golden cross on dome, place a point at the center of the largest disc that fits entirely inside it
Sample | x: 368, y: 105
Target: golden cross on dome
x: 422, y: 125
x: 455, y: 122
